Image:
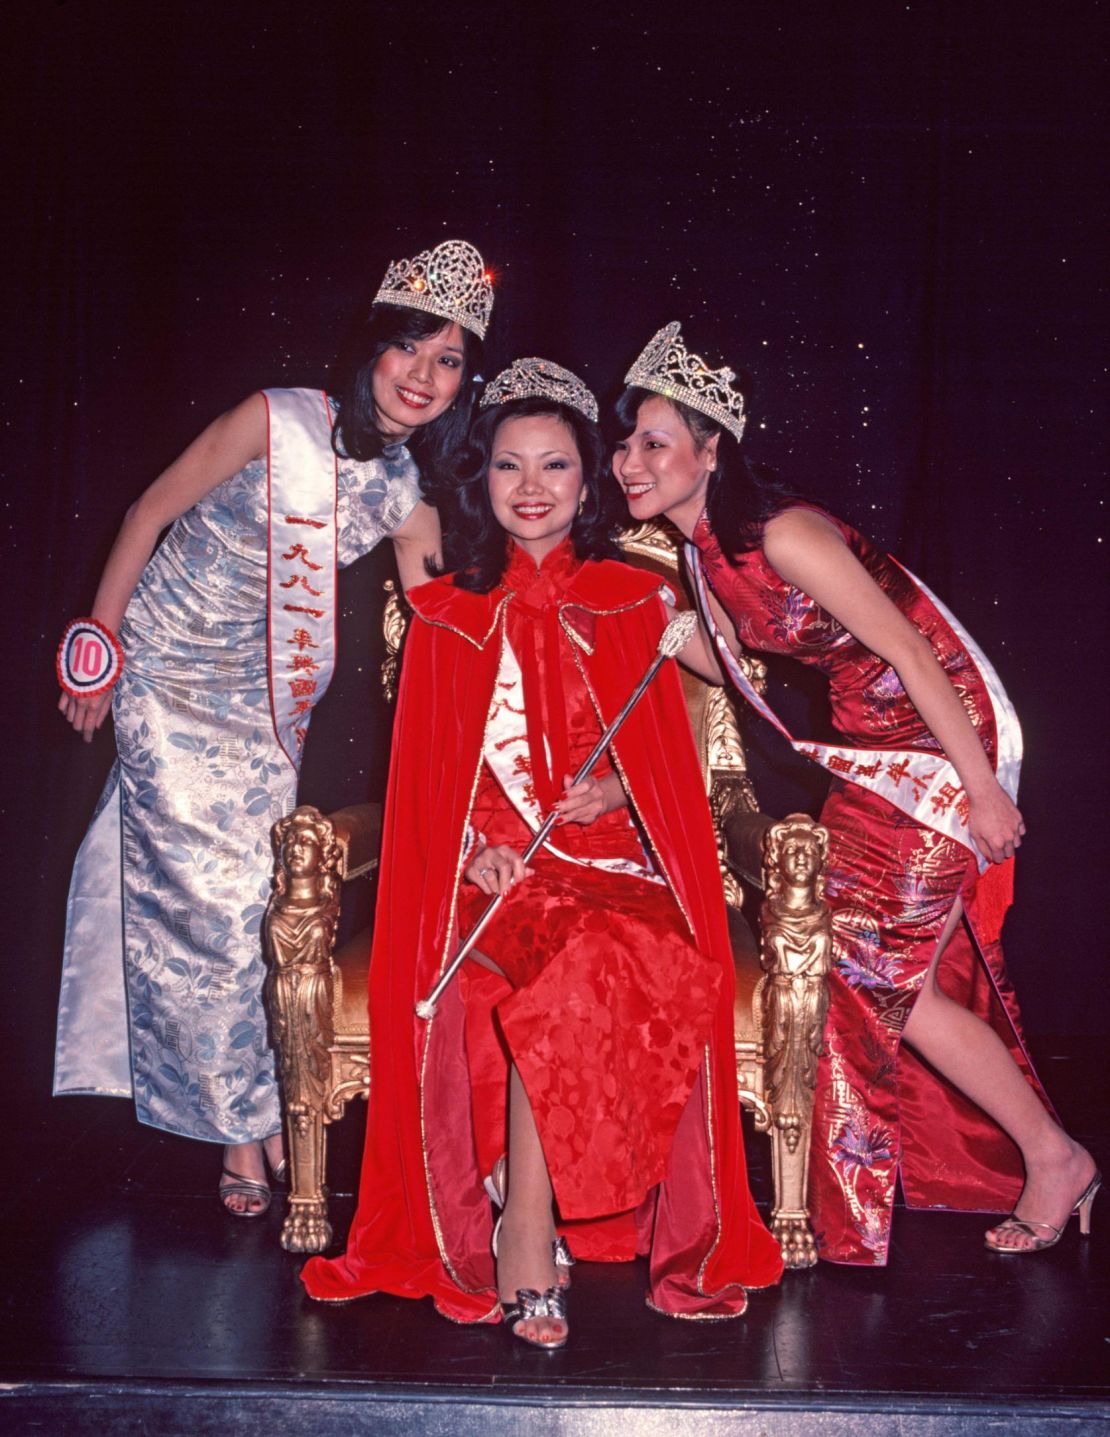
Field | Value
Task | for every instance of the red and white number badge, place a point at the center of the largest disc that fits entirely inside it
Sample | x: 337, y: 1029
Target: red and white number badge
x: 90, y: 659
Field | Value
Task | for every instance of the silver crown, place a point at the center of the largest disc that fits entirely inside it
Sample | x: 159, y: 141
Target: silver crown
x: 667, y: 367
x: 450, y: 280
x: 540, y: 379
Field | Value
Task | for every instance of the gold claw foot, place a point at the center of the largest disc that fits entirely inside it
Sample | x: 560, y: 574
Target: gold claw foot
x: 306, y: 1227
x: 795, y: 1237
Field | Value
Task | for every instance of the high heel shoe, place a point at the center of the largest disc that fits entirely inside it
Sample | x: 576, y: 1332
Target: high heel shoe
x: 245, y: 1188
x: 1026, y: 1228
x: 530, y: 1304
x: 496, y: 1186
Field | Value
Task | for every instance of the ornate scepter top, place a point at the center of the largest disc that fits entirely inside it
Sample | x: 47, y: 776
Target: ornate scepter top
x: 678, y: 633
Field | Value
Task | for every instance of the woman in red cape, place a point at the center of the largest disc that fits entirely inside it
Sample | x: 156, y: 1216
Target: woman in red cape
x: 924, y: 778
x: 603, y: 1002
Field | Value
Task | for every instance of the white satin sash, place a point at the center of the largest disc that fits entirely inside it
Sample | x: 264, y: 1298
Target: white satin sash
x: 302, y: 532
x: 506, y: 753
x: 923, y: 785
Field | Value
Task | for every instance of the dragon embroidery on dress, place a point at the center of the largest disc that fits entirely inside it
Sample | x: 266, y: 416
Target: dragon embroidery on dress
x: 873, y: 1228
x: 875, y: 1039
x: 921, y: 888
x: 798, y: 612
x: 839, y: 882
x: 863, y: 1160
x: 920, y: 904
x: 861, y: 1144
x: 883, y: 697
x: 860, y: 958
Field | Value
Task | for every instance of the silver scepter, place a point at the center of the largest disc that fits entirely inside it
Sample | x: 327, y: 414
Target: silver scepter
x: 673, y: 639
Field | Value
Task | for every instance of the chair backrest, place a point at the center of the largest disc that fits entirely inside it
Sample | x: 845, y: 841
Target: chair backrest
x: 657, y: 547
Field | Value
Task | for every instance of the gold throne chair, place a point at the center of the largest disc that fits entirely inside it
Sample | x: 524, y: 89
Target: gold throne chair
x: 317, y: 996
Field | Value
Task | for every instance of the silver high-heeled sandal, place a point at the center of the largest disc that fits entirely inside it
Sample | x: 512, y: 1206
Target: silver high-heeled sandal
x: 246, y: 1188
x: 529, y: 1304
x: 1026, y: 1227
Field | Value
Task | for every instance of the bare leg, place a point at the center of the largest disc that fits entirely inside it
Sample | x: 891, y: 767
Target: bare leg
x: 524, y: 1255
x: 527, y: 1224
x: 971, y: 1055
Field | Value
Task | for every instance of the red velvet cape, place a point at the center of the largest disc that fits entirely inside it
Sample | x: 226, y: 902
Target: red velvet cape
x: 423, y: 1223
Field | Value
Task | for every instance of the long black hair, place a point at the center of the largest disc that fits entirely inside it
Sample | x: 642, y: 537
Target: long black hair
x: 355, y: 433
x: 475, y: 545
x: 741, y: 496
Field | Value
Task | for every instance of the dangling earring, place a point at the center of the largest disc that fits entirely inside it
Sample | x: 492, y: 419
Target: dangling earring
x: 582, y: 500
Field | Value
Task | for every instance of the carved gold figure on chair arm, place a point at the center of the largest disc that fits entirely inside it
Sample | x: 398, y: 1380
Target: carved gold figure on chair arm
x: 796, y: 955
x: 300, y: 937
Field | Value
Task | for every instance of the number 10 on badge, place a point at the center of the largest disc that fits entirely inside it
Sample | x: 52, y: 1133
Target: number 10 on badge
x: 90, y: 659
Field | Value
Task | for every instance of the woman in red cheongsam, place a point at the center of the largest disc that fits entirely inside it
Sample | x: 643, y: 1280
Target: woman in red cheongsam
x: 592, y: 1041
x: 918, y: 804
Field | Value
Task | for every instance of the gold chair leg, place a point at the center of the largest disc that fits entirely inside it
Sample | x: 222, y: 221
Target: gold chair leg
x: 790, y: 1216
x: 306, y: 1227
x: 299, y: 940
x: 796, y: 955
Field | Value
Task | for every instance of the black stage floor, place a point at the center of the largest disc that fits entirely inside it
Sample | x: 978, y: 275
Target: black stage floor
x: 132, y: 1302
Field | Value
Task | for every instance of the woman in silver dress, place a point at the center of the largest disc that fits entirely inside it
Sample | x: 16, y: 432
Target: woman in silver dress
x: 227, y: 634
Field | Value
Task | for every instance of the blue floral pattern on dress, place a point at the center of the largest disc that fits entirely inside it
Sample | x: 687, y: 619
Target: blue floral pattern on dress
x: 200, y: 780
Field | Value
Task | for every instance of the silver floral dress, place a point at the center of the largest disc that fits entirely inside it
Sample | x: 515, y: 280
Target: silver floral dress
x: 162, y: 977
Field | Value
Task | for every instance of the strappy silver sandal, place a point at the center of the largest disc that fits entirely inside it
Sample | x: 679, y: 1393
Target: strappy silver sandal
x: 246, y: 1188
x: 530, y: 1304
x: 1026, y: 1227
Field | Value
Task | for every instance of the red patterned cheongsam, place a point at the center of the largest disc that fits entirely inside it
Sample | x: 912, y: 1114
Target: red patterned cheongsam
x: 891, y: 885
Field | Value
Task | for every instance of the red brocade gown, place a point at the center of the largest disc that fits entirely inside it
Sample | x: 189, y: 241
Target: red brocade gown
x: 880, y: 1111
x: 616, y: 1004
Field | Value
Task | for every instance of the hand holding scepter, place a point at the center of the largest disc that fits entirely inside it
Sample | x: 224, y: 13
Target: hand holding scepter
x: 673, y: 639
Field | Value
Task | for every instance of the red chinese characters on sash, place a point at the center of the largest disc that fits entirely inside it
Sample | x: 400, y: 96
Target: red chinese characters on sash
x: 922, y: 784
x: 302, y: 493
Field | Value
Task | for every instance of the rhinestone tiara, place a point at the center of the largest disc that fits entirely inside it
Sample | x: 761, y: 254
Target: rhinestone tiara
x: 450, y: 280
x: 667, y: 367
x: 540, y: 379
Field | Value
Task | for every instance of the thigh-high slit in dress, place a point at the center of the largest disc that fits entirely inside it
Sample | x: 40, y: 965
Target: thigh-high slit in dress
x: 881, y: 1113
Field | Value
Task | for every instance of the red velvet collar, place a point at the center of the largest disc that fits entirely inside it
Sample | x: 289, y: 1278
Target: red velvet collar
x: 603, y: 587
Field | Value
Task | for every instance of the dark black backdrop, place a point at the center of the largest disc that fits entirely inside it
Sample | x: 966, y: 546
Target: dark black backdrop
x: 886, y: 211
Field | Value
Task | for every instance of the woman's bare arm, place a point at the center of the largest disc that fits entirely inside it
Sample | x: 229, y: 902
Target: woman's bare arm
x: 220, y: 451
x: 807, y: 551
x: 416, y: 541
